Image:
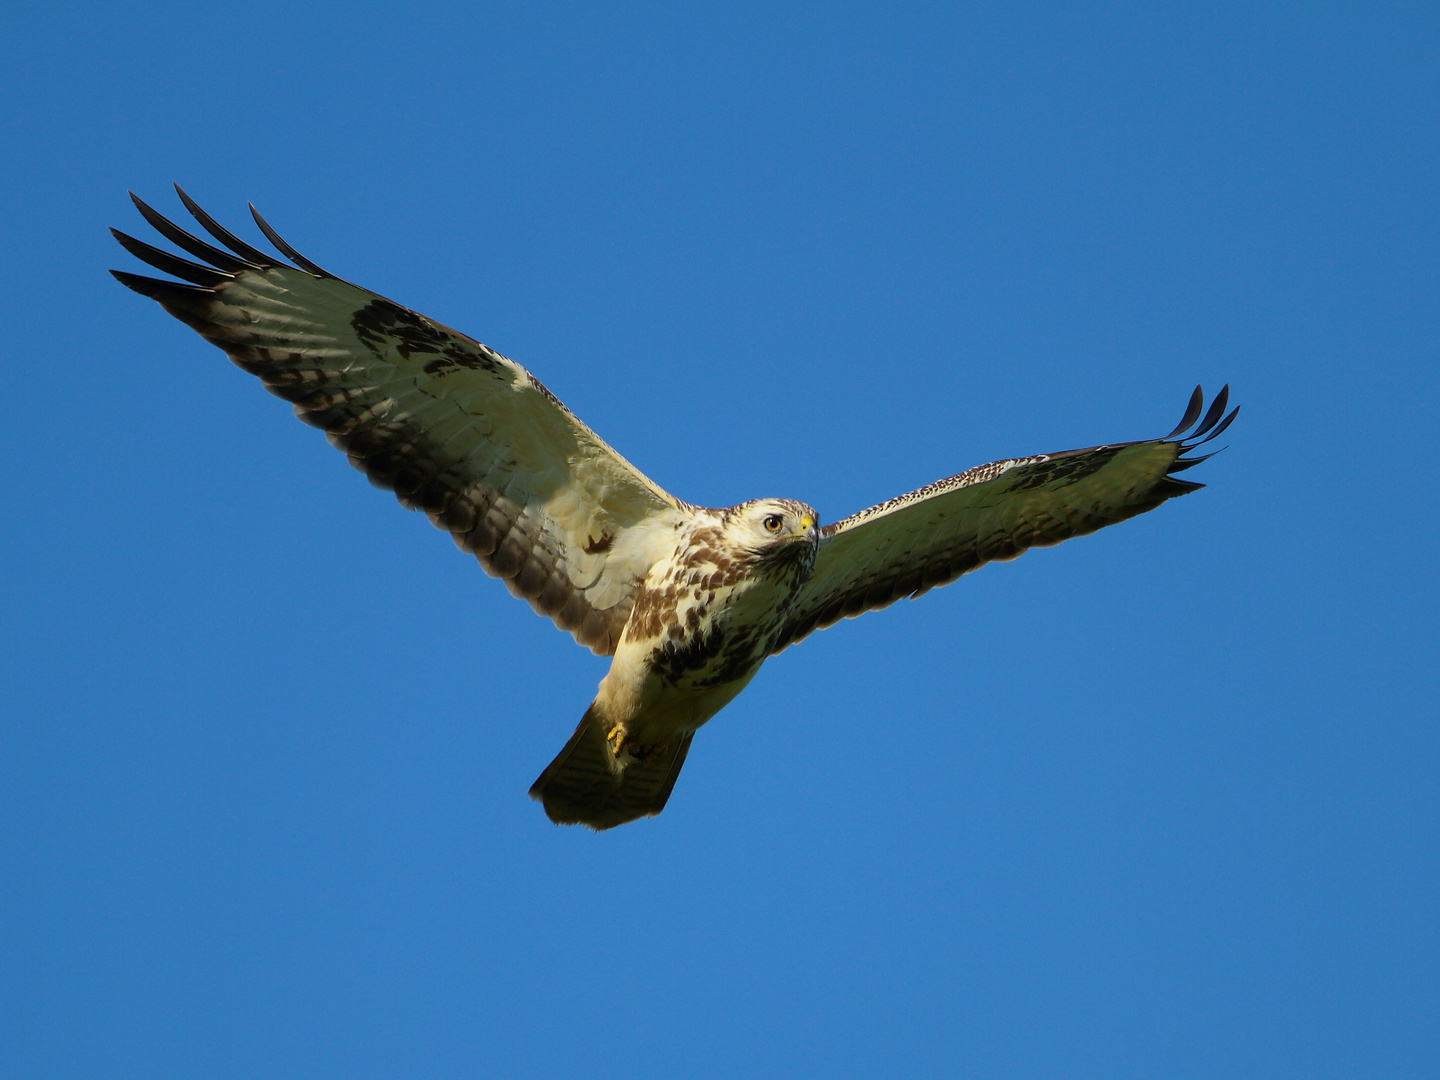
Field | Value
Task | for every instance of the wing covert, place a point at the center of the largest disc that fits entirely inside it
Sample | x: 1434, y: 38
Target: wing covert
x: 449, y: 425
x: 929, y: 537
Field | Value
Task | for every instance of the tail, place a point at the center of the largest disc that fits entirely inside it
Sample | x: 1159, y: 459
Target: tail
x: 587, y: 785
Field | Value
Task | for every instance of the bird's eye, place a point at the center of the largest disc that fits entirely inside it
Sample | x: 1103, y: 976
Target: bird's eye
x: 773, y: 522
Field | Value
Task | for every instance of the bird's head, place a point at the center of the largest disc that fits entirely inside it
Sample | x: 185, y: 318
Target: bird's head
x: 779, y: 532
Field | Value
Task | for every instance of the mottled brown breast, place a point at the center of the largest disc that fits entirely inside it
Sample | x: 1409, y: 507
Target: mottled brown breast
x: 713, y: 614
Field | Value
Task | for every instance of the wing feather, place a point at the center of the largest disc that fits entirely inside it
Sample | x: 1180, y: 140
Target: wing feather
x: 914, y: 542
x: 449, y: 425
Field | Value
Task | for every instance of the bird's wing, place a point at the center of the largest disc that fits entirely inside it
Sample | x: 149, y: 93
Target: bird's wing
x: 929, y: 537
x: 451, y: 426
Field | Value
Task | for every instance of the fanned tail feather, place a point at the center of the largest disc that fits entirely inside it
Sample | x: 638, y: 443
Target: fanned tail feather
x: 585, y: 785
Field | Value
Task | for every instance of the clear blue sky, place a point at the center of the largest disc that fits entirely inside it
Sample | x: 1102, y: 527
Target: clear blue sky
x: 1161, y: 802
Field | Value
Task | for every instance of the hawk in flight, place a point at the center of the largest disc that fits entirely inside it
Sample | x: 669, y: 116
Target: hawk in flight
x: 689, y: 601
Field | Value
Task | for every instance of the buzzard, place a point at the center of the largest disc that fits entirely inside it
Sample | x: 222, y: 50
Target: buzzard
x: 688, y: 600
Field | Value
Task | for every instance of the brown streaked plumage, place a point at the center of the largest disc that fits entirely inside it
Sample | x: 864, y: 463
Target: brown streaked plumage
x: 688, y: 601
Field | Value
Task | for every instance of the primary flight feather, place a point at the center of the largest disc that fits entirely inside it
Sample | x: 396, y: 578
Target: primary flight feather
x: 689, y: 601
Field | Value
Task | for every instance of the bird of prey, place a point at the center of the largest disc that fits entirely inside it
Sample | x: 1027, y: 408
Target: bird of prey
x: 688, y: 600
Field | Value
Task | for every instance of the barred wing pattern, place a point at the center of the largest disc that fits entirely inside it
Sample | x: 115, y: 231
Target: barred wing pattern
x: 451, y: 426
x: 929, y: 537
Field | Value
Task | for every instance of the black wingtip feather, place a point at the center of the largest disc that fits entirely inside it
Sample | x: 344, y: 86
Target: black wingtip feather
x: 1181, y: 464
x: 171, y: 264
x: 289, y: 252
x: 224, y: 235
x: 1217, y: 410
x: 155, y: 288
x: 1208, y: 428
x: 1171, y: 488
x: 1219, y: 430
x: 194, y: 245
x: 1197, y: 400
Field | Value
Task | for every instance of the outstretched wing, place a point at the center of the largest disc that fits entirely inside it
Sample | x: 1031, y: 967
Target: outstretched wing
x: 929, y: 537
x: 451, y: 426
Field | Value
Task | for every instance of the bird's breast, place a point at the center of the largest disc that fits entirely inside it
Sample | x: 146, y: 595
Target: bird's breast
x: 702, y: 626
